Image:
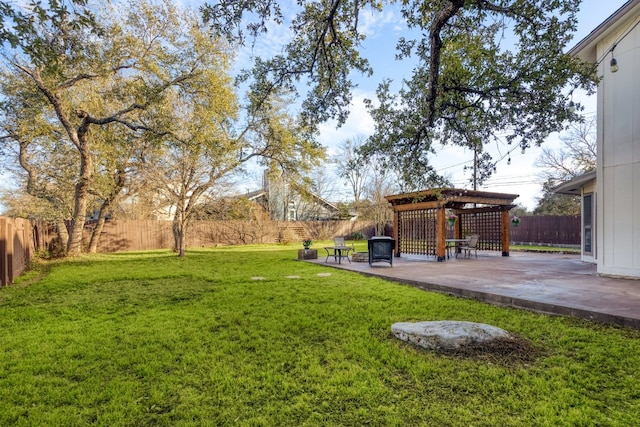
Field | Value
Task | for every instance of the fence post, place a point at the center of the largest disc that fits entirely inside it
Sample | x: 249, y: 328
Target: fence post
x: 6, y: 255
x: 505, y: 233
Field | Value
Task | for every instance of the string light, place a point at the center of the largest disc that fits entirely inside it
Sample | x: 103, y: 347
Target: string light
x: 613, y: 64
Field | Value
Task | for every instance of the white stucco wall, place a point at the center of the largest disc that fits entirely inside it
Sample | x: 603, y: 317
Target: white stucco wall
x: 618, y: 182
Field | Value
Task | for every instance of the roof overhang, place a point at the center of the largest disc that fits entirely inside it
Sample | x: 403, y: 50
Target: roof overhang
x: 586, y: 49
x: 324, y: 202
x: 254, y: 194
x: 574, y: 186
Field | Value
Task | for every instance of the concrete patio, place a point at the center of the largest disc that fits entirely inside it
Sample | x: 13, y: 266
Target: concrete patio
x: 558, y: 284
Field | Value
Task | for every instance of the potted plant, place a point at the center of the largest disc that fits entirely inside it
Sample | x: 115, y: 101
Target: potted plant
x: 451, y: 219
x: 306, y: 243
x: 515, y: 221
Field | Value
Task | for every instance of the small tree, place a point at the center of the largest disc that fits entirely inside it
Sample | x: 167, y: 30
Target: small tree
x: 576, y: 156
x: 201, y: 149
x: 352, y: 168
x: 381, y: 182
x: 556, y: 204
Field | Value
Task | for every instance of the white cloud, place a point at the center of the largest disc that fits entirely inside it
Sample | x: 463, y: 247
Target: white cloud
x: 372, y: 23
x: 359, y: 123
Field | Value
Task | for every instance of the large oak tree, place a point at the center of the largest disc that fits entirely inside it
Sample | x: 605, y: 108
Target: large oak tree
x: 482, y: 67
x: 91, y: 82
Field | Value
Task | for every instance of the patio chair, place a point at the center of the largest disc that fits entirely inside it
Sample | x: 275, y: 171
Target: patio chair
x: 339, y: 250
x: 470, y: 245
x: 339, y: 242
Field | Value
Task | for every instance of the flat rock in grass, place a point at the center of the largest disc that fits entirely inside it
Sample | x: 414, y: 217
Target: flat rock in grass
x: 447, y: 334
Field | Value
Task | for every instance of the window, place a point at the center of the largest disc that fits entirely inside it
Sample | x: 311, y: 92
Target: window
x: 587, y: 223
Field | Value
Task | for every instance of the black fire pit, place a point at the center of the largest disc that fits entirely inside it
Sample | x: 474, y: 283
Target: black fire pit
x: 381, y: 249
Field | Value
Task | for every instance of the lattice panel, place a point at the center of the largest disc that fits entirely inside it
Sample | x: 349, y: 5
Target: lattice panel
x: 485, y: 224
x: 417, y: 232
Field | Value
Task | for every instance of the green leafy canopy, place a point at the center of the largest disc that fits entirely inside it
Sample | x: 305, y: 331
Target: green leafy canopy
x: 484, y: 68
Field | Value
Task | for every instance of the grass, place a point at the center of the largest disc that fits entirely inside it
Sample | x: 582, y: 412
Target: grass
x: 151, y: 339
x: 545, y: 249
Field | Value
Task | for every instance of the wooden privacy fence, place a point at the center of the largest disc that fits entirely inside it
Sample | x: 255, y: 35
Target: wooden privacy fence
x: 134, y: 235
x: 20, y: 239
x: 139, y: 235
x: 556, y: 230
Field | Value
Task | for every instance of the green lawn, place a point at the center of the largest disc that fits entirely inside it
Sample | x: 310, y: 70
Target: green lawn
x: 549, y: 249
x: 151, y: 339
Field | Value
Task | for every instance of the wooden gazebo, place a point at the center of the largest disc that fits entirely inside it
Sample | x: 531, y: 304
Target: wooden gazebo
x: 420, y: 220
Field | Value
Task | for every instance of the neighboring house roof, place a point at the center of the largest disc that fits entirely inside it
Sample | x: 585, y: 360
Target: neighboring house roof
x: 255, y: 195
x: 574, y: 185
x: 252, y: 195
x: 324, y: 202
x: 586, y: 49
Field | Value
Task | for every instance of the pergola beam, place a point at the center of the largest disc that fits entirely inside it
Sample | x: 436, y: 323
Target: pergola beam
x: 478, y: 200
x: 417, y: 206
x: 484, y: 209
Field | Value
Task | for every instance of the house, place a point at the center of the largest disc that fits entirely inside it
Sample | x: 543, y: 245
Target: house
x: 285, y: 202
x: 611, y: 196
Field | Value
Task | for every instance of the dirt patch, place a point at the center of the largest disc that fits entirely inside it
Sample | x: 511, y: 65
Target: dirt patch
x: 512, y: 351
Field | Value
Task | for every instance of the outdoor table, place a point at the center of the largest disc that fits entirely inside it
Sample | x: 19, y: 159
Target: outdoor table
x: 338, y: 252
x: 453, y: 243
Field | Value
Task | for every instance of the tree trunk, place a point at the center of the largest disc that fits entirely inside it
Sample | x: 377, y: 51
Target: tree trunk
x: 60, y: 247
x: 63, y: 233
x: 97, y: 231
x: 179, y: 226
x: 119, y: 182
x: 179, y: 245
x: 74, y: 246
